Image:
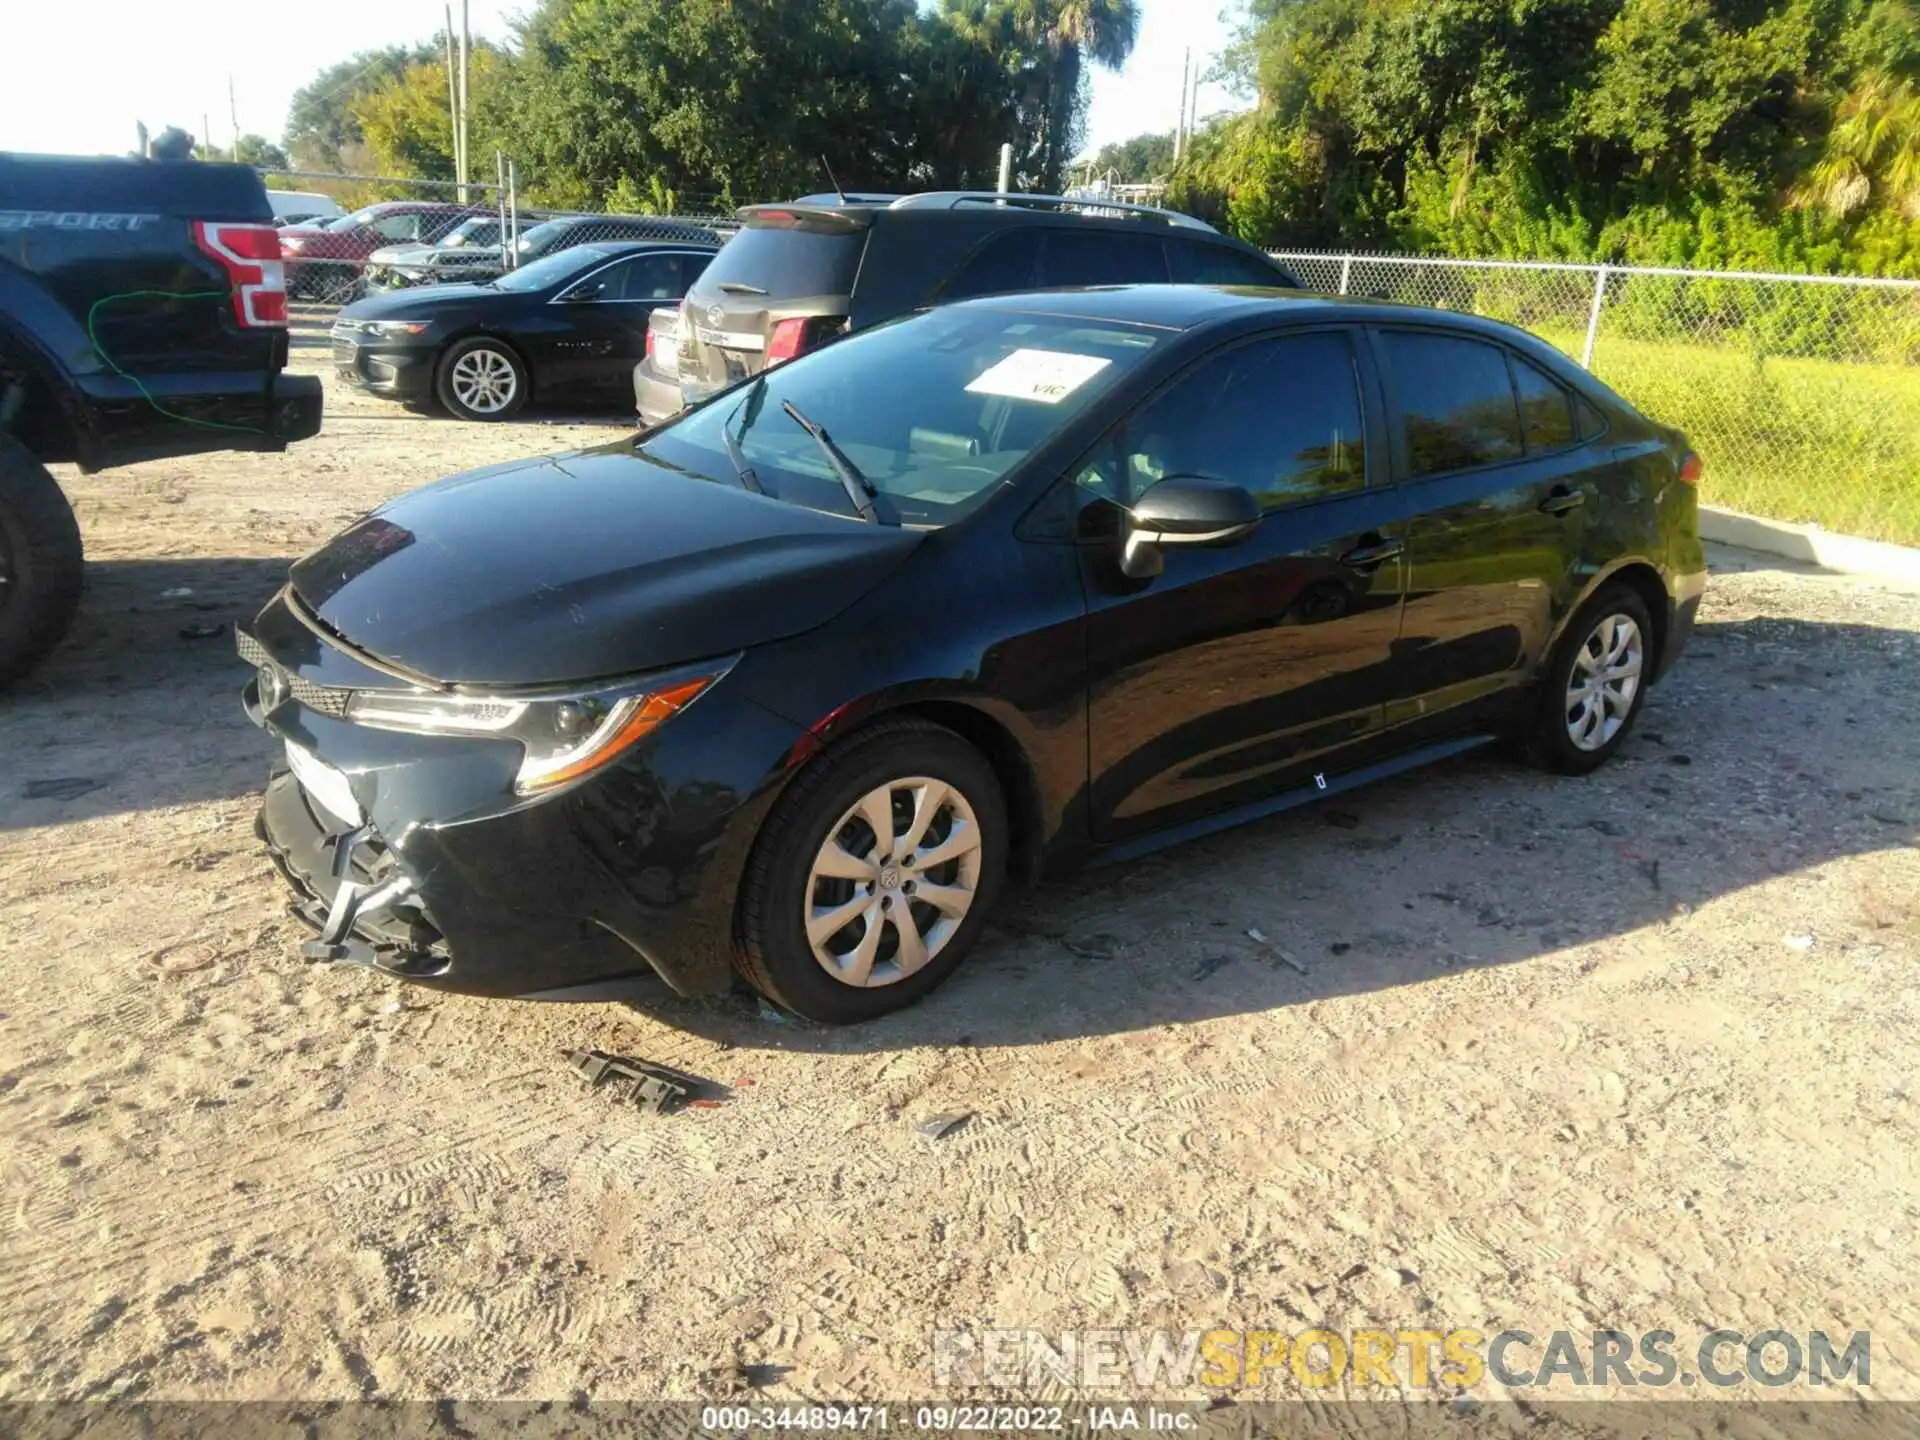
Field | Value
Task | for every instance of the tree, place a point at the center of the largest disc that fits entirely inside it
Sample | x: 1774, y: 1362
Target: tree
x: 1068, y: 33
x: 407, y: 123
x: 1139, y: 161
x: 321, y: 120
x: 742, y: 97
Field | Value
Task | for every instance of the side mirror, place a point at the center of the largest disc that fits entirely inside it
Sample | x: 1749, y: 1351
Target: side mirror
x: 1185, y: 510
x: 586, y: 290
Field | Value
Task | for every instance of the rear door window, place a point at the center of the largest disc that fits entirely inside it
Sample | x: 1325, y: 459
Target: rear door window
x: 1456, y: 401
x: 1546, y: 409
x: 1100, y: 257
x: 1005, y: 263
x: 787, y: 264
x: 645, y: 277
x: 1197, y: 263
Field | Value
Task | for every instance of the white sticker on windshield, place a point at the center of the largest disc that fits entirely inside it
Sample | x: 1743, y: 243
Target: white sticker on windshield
x: 1045, y: 376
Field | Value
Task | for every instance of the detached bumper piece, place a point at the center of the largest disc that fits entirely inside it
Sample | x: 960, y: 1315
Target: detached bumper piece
x: 348, y: 887
x: 649, y: 1086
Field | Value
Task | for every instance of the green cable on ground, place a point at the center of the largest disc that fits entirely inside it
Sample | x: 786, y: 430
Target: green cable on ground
x: 145, y: 394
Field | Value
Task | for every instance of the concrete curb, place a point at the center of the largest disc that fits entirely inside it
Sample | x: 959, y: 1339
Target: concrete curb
x: 1847, y: 553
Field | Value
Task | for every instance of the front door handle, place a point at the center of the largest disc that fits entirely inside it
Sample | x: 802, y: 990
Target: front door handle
x: 1378, y: 552
x: 1560, y: 500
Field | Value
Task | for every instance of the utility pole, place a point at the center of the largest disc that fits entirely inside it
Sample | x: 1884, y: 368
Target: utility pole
x: 206, y: 132
x: 453, y: 98
x: 140, y: 137
x: 466, y: 46
x: 233, y: 112
x: 1180, y: 124
x: 1193, y: 101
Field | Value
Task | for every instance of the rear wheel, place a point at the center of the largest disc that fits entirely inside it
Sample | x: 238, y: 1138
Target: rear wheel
x: 1596, y: 684
x: 40, y: 562
x: 875, y: 874
x: 481, y: 378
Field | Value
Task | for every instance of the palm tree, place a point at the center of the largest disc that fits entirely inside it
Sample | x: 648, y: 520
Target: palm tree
x: 1068, y: 33
x: 1872, y: 151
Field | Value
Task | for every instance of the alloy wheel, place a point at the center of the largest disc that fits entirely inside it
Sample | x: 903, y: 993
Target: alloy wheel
x: 484, y: 381
x: 892, y: 882
x: 1604, y: 681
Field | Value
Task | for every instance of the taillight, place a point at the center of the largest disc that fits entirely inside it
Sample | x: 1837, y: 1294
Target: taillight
x: 1690, y: 469
x: 250, y: 254
x: 793, y: 338
x: 649, y: 343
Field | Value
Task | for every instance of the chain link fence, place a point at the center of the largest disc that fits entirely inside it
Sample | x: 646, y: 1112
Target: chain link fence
x: 1802, y: 393
x: 350, y: 236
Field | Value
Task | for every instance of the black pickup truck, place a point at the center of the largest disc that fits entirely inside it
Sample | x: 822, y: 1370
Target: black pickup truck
x: 143, y: 313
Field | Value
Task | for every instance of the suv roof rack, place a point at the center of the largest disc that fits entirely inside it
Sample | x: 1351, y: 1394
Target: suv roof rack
x: 954, y: 199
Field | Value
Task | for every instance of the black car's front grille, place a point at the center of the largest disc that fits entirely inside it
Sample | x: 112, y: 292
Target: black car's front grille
x: 275, y: 677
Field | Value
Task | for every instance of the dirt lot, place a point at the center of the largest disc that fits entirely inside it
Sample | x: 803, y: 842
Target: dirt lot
x: 1635, y: 1051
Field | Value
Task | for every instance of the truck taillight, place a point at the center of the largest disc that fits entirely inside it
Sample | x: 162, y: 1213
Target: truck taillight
x: 1690, y: 469
x: 250, y: 254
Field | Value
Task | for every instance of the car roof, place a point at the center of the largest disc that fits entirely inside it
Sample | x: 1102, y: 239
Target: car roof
x: 1191, y: 307
x: 610, y: 248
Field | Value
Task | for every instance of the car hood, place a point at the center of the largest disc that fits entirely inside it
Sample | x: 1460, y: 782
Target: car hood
x: 401, y: 254
x: 423, y: 303
x: 583, y: 566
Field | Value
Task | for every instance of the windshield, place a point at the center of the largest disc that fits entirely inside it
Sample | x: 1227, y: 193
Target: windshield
x: 476, y: 230
x: 541, y: 235
x: 347, y: 222
x: 787, y: 264
x: 552, y: 269
x: 935, y: 410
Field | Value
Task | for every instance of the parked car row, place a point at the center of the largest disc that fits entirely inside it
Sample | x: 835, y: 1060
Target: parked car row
x: 793, y: 278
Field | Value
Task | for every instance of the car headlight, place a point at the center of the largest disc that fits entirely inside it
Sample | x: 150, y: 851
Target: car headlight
x: 563, y: 737
x: 391, y: 329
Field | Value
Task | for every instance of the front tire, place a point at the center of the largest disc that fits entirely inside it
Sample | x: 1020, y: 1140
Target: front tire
x: 481, y: 378
x: 1595, y: 685
x: 875, y: 874
x: 41, y: 569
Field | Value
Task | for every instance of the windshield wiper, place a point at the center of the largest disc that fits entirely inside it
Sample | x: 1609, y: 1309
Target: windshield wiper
x: 735, y: 455
x: 859, y: 489
x: 740, y: 287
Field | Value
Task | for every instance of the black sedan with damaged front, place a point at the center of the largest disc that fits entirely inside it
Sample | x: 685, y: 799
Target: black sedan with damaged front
x: 788, y: 687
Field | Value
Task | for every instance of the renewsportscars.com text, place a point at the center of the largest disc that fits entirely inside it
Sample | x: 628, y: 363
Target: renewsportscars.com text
x: 1145, y: 1361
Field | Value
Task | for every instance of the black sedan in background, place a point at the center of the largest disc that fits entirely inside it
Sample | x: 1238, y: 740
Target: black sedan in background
x: 789, y: 685
x: 565, y: 329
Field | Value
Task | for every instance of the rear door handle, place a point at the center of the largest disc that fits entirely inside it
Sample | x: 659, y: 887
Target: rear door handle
x: 1560, y: 500
x: 1366, y: 557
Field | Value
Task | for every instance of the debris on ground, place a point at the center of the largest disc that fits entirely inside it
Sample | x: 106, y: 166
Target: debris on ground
x: 182, y: 959
x: 651, y: 1087
x: 773, y: 1015
x: 1800, y: 942
x: 1210, y: 964
x: 178, y: 592
x: 1282, y: 956
x: 938, y: 1127
x: 203, y: 632
x: 67, y: 787
x: 1340, y: 819
x: 1094, y: 947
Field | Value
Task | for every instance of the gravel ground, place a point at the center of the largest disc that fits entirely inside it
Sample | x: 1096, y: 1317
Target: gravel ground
x: 1634, y: 1051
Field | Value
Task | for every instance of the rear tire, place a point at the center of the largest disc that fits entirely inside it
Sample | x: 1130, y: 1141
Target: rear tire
x: 41, y: 568
x: 481, y: 378
x: 821, y: 856
x: 1595, y: 686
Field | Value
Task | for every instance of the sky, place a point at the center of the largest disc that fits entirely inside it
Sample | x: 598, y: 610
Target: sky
x: 77, y: 75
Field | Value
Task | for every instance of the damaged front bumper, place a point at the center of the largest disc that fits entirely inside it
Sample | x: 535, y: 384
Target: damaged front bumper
x: 413, y: 855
